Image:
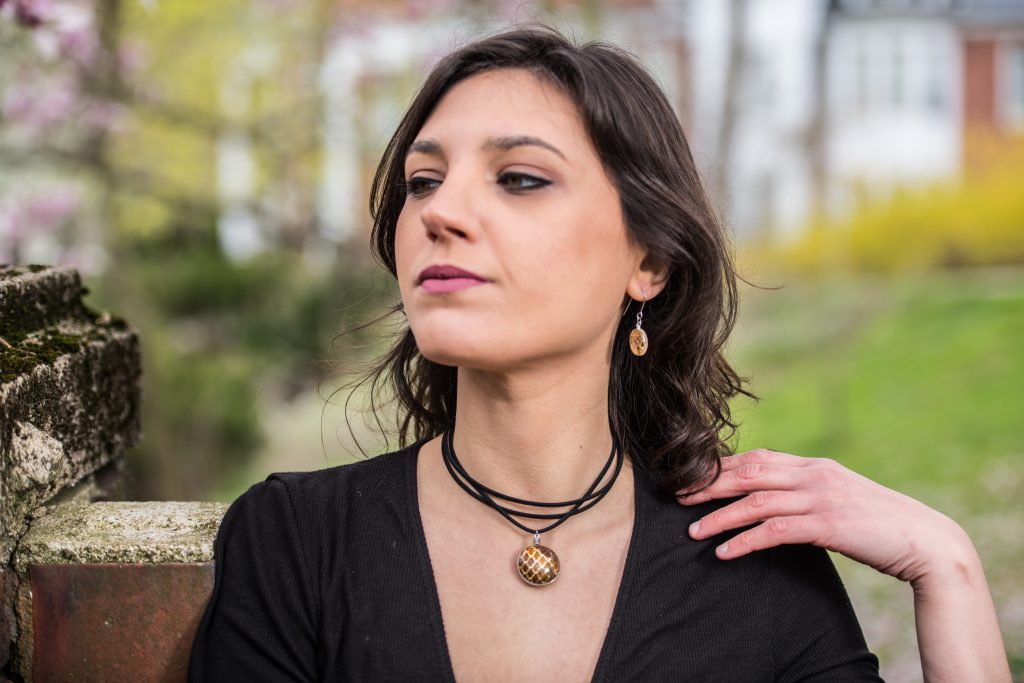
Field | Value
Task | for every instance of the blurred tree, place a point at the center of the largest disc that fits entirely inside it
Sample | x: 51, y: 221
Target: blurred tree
x: 120, y: 123
x: 735, y: 69
x: 172, y: 151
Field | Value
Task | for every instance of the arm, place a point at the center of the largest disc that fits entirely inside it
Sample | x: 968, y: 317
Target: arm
x: 813, y: 628
x: 957, y: 630
x: 817, y: 501
x: 259, y: 624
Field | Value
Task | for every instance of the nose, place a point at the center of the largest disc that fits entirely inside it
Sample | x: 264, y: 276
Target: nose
x: 448, y: 212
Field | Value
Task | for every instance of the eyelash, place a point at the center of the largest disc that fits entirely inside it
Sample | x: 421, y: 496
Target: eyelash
x: 413, y: 187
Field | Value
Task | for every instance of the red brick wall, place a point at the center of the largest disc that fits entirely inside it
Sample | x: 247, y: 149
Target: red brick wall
x: 980, y: 84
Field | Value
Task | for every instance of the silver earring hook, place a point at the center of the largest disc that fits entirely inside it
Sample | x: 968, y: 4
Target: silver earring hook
x: 640, y: 313
x: 641, y: 305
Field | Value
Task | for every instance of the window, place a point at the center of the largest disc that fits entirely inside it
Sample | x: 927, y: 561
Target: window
x: 1013, y: 87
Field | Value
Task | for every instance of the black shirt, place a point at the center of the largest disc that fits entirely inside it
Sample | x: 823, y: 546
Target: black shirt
x: 325, y: 576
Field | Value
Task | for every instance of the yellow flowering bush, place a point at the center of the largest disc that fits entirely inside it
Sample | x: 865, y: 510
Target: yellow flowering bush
x: 977, y: 221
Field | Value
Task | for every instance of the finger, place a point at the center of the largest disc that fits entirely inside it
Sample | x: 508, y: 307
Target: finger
x: 770, y: 533
x: 756, y: 507
x: 746, y: 478
x: 766, y: 456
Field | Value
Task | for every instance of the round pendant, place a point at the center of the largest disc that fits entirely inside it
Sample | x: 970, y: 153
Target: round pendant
x: 537, y: 565
x: 638, y: 341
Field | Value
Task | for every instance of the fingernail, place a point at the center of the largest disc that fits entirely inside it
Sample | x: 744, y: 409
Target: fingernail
x: 722, y: 549
x: 694, y: 528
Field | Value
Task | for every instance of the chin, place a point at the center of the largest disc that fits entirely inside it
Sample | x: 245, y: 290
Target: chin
x: 447, y: 348
x: 465, y: 354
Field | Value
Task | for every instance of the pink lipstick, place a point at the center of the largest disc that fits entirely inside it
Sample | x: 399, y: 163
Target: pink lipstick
x: 447, y: 278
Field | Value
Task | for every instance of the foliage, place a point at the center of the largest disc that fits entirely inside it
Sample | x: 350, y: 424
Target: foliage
x: 221, y: 342
x: 913, y: 380
x: 976, y: 221
x: 113, y: 113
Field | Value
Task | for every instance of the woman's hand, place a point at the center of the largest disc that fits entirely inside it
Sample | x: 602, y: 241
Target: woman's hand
x: 818, y: 501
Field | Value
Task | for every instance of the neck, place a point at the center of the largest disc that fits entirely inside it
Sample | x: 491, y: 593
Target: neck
x: 537, y: 435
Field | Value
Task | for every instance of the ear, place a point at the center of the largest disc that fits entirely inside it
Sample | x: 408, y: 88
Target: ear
x: 649, y: 278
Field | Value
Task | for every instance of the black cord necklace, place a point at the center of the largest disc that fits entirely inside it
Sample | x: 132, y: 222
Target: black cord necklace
x: 537, y: 565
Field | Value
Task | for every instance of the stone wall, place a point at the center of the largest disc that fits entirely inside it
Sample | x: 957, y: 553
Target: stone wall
x: 92, y: 588
x: 69, y: 391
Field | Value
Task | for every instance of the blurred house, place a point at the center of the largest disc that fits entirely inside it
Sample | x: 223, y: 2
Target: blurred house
x: 992, y: 36
x: 808, y: 106
x: 376, y: 63
x: 892, y: 98
x: 794, y: 108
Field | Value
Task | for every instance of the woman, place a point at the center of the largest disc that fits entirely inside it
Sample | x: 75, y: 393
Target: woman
x: 568, y: 292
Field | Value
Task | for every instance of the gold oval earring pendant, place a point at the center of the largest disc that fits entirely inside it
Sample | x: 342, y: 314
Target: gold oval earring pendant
x: 638, y: 342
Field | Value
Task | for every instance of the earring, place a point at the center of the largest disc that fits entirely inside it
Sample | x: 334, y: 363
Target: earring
x: 637, y: 337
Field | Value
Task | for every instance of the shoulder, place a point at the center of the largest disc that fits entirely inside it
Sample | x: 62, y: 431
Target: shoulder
x: 791, y: 566
x: 805, y: 574
x: 784, y: 570
x: 665, y: 514
x: 330, y: 495
x: 303, y: 517
x: 791, y: 596
x: 371, y: 475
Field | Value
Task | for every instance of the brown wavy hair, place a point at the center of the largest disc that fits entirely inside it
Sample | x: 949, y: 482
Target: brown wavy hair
x: 668, y: 408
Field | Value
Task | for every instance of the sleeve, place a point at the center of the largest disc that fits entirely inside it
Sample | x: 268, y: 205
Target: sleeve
x: 815, y: 632
x: 260, y: 622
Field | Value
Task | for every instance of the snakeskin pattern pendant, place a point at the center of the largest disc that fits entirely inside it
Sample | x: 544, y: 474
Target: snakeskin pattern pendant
x: 537, y: 564
x: 638, y: 341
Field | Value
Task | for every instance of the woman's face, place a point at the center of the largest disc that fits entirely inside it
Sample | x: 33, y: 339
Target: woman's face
x: 503, y: 182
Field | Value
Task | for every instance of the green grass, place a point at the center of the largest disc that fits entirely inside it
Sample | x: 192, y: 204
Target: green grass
x: 915, y: 382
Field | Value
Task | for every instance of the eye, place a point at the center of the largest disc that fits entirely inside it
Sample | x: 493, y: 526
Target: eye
x: 519, y: 182
x: 417, y: 186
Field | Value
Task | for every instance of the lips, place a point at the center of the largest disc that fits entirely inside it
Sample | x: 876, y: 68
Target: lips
x: 444, y: 279
x: 447, y: 272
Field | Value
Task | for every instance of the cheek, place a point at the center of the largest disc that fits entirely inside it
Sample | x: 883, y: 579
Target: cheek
x: 589, y: 245
x: 572, y: 266
x: 405, y: 250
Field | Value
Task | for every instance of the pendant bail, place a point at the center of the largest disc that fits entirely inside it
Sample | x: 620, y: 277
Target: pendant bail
x: 536, y: 538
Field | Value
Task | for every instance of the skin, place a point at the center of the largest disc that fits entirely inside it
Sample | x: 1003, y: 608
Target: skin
x: 533, y: 345
x: 487, y: 193
x: 533, y: 348
x: 818, y: 501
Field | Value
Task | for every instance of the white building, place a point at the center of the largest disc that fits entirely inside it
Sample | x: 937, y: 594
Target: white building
x: 840, y: 101
x: 894, y: 94
x: 792, y: 107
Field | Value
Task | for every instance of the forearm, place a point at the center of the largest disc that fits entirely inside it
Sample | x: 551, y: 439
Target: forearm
x: 957, y: 630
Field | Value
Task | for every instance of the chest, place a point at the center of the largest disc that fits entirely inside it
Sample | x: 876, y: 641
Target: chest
x: 498, y: 628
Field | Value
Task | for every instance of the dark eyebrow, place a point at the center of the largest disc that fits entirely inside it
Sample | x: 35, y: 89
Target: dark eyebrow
x: 425, y: 147
x: 432, y: 148
x: 507, y: 143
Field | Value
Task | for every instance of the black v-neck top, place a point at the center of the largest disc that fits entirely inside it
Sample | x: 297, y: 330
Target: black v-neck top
x: 325, y: 576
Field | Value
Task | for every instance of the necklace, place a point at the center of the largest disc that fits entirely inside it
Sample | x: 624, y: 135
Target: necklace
x: 537, y: 564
